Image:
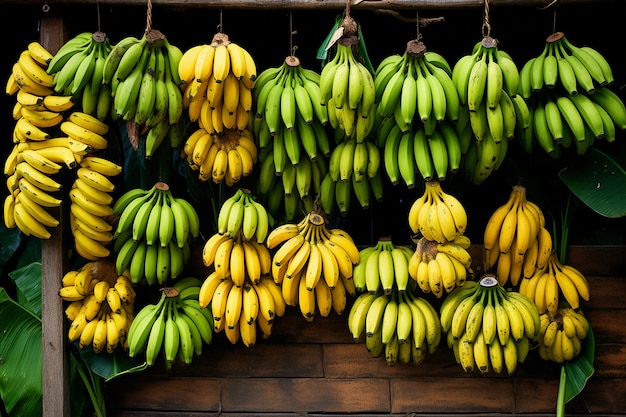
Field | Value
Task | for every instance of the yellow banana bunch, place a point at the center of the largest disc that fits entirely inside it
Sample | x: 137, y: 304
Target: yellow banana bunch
x: 288, y: 113
x: 313, y: 264
x: 556, y: 280
x: 91, y: 207
x: 228, y: 157
x: 347, y: 88
x: 239, y: 290
x: 562, y: 334
x: 488, y: 328
x: 101, y: 306
x: 439, y: 268
x: 175, y: 327
x: 218, y: 80
x: 515, y: 239
x: 402, y: 326
x: 436, y: 215
x: 153, y: 234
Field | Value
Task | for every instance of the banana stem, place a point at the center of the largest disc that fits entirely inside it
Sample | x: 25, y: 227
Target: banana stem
x: 566, y: 221
x: 93, y: 385
x: 560, y: 399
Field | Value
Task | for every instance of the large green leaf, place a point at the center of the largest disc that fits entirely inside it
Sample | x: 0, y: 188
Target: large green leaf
x: 109, y: 366
x: 580, y: 369
x: 11, y: 239
x: 20, y: 350
x: 599, y: 182
x: 28, y: 282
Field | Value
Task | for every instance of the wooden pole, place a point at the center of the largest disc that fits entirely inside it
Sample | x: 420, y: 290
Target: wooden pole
x: 55, y: 371
x: 328, y: 4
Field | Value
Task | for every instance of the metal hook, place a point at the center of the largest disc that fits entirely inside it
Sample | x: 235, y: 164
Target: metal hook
x: 45, y: 8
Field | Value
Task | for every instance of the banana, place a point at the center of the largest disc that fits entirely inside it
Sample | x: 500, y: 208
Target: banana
x: 477, y: 82
x: 23, y: 170
x: 97, y: 209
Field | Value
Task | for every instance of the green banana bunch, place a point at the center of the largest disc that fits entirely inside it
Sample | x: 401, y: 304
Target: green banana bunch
x: 488, y: 328
x: 288, y: 113
x: 338, y: 195
x: 145, y: 84
x: 352, y: 159
x: 563, y: 65
x: 347, y: 90
x: 410, y: 155
x: 241, y: 214
x: 176, y: 326
x: 385, y: 267
x: 570, y: 102
x: 487, y: 81
x: 415, y: 90
x: 78, y: 70
x: 402, y: 326
x: 153, y: 234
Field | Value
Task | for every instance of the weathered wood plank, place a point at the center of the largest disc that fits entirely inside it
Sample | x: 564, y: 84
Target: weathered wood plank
x: 55, y: 365
x: 165, y: 394
x: 451, y: 395
x: 263, y: 360
x: 308, y: 395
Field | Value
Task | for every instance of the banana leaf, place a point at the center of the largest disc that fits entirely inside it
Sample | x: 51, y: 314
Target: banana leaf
x: 335, y: 33
x: 575, y: 374
x: 599, y: 182
x: 20, y: 350
x: 11, y: 239
x: 581, y: 368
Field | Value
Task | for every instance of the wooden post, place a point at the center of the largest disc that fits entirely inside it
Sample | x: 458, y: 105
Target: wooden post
x: 55, y: 370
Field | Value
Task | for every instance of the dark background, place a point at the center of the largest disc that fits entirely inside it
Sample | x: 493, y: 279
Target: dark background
x: 521, y: 31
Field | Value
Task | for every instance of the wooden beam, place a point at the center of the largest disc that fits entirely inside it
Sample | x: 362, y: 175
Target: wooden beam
x: 324, y: 4
x: 55, y: 367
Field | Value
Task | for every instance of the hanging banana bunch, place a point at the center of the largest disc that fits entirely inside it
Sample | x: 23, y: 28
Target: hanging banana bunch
x: 175, y: 328
x: 100, y: 306
x: 91, y: 208
x: 488, y: 328
x: 347, y: 87
x: 562, y: 334
x: 313, y: 265
x: 289, y: 128
x: 242, y: 297
x: 441, y: 261
x: 78, y: 69
x: 143, y: 76
x: 546, y: 286
x: 32, y: 165
x: 516, y: 241
x: 227, y: 157
x: 488, y: 81
x: 217, y: 81
x: 417, y: 104
x: 570, y: 101
x: 153, y: 233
